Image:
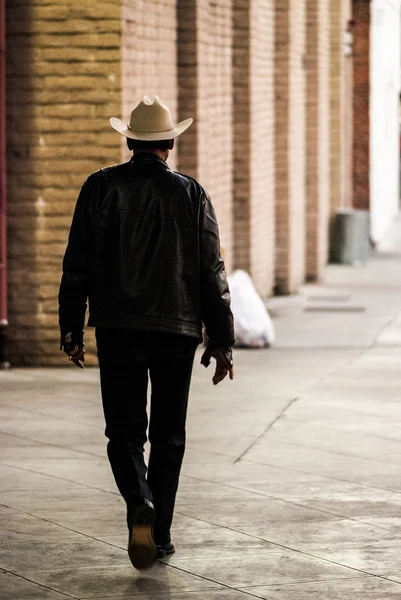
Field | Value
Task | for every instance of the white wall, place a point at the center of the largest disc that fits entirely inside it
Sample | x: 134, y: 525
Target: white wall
x: 384, y: 114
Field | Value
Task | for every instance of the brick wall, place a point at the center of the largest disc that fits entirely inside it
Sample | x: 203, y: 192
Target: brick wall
x: 290, y: 49
x: 361, y: 95
x: 204, y: 65
x: 71, y: 69
x: 253, y: 71
x: 148, y: 55
x: 317, y: 137
x: 63, y: 79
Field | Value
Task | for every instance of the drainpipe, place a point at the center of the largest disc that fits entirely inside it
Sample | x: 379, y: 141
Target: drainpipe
x: 3, y: 242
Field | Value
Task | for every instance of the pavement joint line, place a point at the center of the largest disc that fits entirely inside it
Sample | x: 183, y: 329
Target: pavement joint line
x: 305, y: 553
x: 276, y: 544
x: 55, y: 417
x: 333, y: 562
x: 162, y: 595
x: 293, y: 400
x: 289, y: 583
x: 261, y: 494
x: 17, y: 510
x: 370, y: 434
x: 77, y: 483
x: 383, y: 345
x: 338, y: 452
x: 268, y: 428
x: 387, y: 324
x: 49, y: 444
x: 374, y: 487
x: 246, y: 593
x: 40, y: 584
x: 340, y: 516
x: 251, y: 535
x: 85, y: 535
x: 332, y: 348
x: 113, y: 545
x: 119, y: 547
x: 350, y: 409
x: 61, y: 447
x: 335, y: 309
x: 219, y: 583
x: 265, y: 495
x: 384, y: 437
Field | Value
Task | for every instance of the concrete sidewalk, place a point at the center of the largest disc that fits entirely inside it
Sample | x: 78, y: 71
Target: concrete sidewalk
x: 291, y: 487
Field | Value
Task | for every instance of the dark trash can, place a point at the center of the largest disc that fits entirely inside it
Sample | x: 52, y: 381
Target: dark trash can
x: 349, y: 239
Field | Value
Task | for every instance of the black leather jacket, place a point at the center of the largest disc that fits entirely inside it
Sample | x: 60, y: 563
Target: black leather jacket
x: 144, y: 248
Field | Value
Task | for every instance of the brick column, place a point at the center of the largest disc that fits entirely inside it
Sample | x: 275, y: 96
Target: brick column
x: 148, y: 55
x: 341, y: 113
x: 68, y: 71
x: 253, y: 72
x: 290, y: 143
x: 361, y: 145
x: 63, y: 81
x: 242, y: 134
x: 205, y: 81
x: 317, y: 137
x: 347, y: 117
x: 188, y: 77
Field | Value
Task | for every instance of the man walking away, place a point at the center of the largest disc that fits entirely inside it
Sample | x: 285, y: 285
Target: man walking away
x: 144, y: 249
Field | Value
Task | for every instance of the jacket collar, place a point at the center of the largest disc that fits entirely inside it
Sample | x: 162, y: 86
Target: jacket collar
x: 148, y: 158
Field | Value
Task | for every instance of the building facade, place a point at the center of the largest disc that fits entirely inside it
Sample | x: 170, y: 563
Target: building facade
x: 270, y: 86
x: 376, y: 104
x: 384, y: 74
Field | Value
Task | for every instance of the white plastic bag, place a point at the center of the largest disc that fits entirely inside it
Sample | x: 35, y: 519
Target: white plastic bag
x: 253, y: 325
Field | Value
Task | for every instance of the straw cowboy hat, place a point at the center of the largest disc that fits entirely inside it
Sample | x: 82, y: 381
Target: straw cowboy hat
x: 150, y: 121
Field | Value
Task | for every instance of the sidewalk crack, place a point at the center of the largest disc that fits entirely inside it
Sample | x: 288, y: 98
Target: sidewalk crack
x: 268, y: 428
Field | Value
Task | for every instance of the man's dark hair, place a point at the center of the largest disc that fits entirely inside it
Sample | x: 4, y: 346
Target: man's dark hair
x: 158, y: 145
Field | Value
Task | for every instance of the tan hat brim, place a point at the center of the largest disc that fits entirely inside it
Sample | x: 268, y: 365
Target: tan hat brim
x: 147, y: 136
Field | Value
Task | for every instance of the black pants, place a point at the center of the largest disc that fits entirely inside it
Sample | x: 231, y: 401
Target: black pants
x: 126, y: 359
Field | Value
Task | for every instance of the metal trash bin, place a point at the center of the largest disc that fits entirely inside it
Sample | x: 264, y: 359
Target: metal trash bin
x: 349, y: 239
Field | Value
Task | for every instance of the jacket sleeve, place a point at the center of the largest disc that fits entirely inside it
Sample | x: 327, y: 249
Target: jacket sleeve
x: 73, y: 292
x: 215, y: 294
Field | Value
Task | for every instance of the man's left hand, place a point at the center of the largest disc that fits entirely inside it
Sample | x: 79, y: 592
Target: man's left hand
x: 77, y: 356
x: 74, y: 347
